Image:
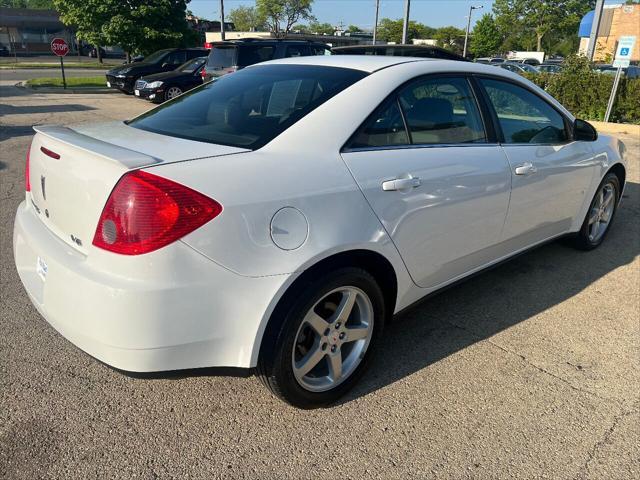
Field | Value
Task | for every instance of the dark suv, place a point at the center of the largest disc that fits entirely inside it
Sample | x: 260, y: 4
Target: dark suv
x: 124, y: 76
x: 229, y: 56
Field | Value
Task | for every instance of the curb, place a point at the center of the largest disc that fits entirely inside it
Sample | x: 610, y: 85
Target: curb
x: 608, y: 127
x: 68, y: 90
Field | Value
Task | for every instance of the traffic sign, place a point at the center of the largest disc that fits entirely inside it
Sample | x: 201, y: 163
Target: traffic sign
x: 59, y: 47
x: 624, y: 51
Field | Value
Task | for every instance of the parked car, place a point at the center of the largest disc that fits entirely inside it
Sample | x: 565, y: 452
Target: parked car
x: 124, y: 77
x: 489, y: 60
x: 426, y: 51
x: 518, y: 67
x: 550, y: 68
x: 278, y: 217
x: 231, y: 56
x: 160, y: 87
x: 632, y: 71
x: 530, y: 61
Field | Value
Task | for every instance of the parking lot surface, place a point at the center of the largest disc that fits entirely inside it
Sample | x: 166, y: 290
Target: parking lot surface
x: 531, y: 370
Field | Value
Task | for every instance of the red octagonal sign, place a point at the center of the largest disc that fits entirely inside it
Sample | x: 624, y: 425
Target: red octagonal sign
x: 59, y: 47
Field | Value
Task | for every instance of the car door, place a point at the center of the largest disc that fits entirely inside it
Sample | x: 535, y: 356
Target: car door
x: 550, y: 171
x: 434, y: 176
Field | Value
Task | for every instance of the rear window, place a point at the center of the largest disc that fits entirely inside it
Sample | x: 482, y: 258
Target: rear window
x: 222, y: 57
x: 249, y: 108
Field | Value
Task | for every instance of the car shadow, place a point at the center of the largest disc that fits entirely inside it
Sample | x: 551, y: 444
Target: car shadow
x: 498, y: 299
x: 28, y: 109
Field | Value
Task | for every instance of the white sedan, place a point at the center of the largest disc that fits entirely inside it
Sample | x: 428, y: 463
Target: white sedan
x: 276, y: 218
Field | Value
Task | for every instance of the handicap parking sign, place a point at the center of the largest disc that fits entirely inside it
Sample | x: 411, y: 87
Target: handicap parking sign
x: 624, y: 52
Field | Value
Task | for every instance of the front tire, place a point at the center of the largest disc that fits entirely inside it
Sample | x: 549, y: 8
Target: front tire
x: 600, y: 215
x: 326, y: 339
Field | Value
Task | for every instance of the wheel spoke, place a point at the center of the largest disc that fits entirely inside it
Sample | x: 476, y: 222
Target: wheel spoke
x: 346, y: 305
x: 593, y: 217
x: 310, y: 360
x: 316, y: 322
x: 335, y: 366
x: 608, y: 198
x: 356, y: 333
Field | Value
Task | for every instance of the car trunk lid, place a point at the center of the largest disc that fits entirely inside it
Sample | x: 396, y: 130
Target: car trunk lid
x: 72, y: 174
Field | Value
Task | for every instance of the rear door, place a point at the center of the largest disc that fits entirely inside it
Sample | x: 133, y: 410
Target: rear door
x: 434, y: 177
x: 550, y: 172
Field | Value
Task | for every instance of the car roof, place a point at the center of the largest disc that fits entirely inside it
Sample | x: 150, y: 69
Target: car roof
x: 372, y: 63
x: 258, y: 41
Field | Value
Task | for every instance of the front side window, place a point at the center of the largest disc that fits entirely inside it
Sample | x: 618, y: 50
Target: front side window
x: 441, y: 110
x: 249, y: 108
x: 523, y: 116
x: 176, y: 58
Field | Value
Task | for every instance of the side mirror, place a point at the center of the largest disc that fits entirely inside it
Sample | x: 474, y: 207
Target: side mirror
x: 165, y: 65
x: 584, y: 131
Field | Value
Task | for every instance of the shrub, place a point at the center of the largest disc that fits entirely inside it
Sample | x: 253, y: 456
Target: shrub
x: 585, y: 93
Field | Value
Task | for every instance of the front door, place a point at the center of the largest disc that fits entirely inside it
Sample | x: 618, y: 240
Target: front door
x: 440, y: 189
x: 550, y: 172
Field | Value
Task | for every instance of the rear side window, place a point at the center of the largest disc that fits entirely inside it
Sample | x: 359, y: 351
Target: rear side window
x: 249, y: 108
x: 297, y: 51
x: 252, y: 54
x: 320, y: 50
x: 222, y: 57
x: 523, y: 116
x: 441, y: 110
x: 384, y: 128
x: 176, y: 58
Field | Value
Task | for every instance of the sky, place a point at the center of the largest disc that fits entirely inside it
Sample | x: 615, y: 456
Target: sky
x: 434, y: 13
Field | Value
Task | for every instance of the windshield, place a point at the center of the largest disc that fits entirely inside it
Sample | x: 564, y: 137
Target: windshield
x: 249, y: 108
x: 222, y: 57
x: 155, y: 56
x: 192, y: 65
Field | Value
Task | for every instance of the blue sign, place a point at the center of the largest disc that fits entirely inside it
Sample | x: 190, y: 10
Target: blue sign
x: 624, y: 52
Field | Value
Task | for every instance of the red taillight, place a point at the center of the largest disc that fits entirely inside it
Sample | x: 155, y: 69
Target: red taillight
x: 27, y: 182
x: 203, y: 73
x: 145, y: 212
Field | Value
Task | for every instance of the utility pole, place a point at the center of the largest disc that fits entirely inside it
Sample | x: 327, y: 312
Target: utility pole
x: 405, y: 26
x: 595, y: 27
x: 375, y: 25
x: 466, y: 35
x: 222, y: 20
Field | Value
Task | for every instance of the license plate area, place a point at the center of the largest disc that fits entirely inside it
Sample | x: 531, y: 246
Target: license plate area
x: 137, y: 92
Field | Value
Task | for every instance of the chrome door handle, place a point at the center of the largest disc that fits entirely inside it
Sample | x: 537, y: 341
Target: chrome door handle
x: 527, y: 168
x: 401, y: 184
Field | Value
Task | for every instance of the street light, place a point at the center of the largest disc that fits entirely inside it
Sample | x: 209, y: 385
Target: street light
x: 466, y: 36
x: 405, y: 25
x: 375, y: 25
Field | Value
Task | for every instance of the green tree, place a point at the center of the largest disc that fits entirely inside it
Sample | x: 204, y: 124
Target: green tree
x: 281, y: 15
x: 353, y: 29
x: 34, y: 4
x: 520, y: 21
x: 246, y: 19
x: 485, y: 40
x: 451, y: 38
x: 391, y: 30
x: 138, y: 26
x: 321, y: 28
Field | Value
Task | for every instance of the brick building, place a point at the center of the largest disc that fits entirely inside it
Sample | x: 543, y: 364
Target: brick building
x: 616, y: 21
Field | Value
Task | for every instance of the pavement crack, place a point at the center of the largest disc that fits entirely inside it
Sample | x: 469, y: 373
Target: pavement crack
x: 533, y: 365
x: 582, y: 473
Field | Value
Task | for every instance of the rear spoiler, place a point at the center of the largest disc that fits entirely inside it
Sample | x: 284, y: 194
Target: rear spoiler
x: 123, y: 156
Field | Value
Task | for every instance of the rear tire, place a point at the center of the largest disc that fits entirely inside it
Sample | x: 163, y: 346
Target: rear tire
x: 325, y: 340
x: 172, y: 92
x: 600, y: 215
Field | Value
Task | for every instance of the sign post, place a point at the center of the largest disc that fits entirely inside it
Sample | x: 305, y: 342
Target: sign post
x: 60, y: 48
x: 622, y: 60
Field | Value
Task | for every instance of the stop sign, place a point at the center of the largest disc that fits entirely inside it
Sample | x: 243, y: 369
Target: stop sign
x: 59, y: 47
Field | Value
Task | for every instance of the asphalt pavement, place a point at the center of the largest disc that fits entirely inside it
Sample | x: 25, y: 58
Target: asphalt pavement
x: 531, y: 370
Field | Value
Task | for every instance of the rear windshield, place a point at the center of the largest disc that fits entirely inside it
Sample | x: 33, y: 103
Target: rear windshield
x: 192, y: 65
x: 222, y: 57
x: 249, y: 108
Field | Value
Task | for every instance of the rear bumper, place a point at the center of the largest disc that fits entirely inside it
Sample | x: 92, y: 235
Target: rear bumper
x: 171, y: 309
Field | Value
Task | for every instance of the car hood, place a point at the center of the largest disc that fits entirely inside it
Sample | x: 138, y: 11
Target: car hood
x: 164, y: 76
x: 134, y: 68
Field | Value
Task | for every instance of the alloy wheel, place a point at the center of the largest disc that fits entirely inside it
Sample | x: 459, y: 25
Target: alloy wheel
x: 173, y: 92
x: 601, y: 212
x: 332, y: 339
